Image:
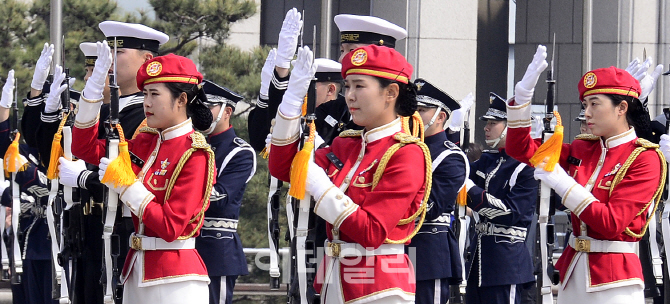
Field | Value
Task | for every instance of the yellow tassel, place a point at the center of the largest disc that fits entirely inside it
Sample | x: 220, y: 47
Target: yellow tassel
x: 56, y: 150
x: 119, y: 171
x: 300, y: 165
x: 13, y: 161
x: 551, y: 148
x: 304, y: 107
x: 462, y: 197
x: 265, y: 153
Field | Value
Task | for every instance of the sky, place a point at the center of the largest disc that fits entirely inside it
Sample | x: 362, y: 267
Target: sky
x: 134, y: 5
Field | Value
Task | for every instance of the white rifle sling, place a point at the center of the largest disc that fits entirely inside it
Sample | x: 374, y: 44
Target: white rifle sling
x: 110, y: 217
x: 543, y: 218
x: 274, y: 256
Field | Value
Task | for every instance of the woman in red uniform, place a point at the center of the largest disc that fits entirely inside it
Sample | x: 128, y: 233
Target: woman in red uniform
x: 613, y: 181
x: 369, y: 185
x: 175, y: 171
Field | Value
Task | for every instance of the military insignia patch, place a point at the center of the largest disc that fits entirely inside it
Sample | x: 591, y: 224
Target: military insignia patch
x: 359, y: 57
x: 154, y: 68
x: 590, y: 80
x: 419, y: 85
x: 163, y: 170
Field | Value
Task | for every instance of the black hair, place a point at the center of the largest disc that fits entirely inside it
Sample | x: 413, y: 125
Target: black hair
x: 196, y: 109
x: 406, y: 104
x: 637, y: 115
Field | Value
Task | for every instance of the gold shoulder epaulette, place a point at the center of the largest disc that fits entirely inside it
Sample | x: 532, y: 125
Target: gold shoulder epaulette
x: 148, y: 130
x: 405, y: 138
x: 199, y: 141
x: 351, y: 133
x: 646, y: 144
x: 587, y: 137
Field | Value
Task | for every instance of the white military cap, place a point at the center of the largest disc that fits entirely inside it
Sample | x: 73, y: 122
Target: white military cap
x: 368, y: 30
x: 132, y: 35
x: 90, y: 51
x: 328, y: 70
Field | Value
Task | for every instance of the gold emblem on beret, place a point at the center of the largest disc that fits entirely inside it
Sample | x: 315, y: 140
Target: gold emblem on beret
x: 359, y: 57
x: 590, y: 80
x: 154, y: 68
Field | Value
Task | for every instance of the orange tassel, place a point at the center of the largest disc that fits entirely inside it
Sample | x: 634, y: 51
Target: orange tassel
x: 120, y: 171
x: 300, y: 165
x: 462, y: 197
x: 56, y: 150
x: 13, y: 160
x: 265, y: 153
x: 551, y: 148
x: 304, y: 107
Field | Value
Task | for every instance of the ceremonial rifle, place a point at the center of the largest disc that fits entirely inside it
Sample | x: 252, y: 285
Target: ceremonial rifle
x: 665, y: 223
x: 546, y: 205
x: 111, y: 278
x: 4, y: 259
x: 273, y: 230
x: 303, y: 245
x: 17, y: 262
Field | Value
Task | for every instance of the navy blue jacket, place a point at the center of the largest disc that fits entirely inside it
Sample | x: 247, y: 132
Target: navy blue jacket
x: 436, y: 244
x: 504, y: 196
x: 219, y: 244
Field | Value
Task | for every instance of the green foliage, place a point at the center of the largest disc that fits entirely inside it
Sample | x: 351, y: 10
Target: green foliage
x: 237, y: 70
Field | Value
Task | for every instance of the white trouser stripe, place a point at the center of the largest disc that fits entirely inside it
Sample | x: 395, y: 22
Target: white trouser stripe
x: 438, y: 292
x: 512, y: 293
x: 223, y: 292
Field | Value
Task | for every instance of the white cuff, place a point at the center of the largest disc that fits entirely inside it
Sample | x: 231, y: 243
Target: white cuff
x: 334, y: 207
x: 286, y: 130
x: 518, y: 116
x: 577, y: 198
x: 87, y: 114
x: 136, y: 197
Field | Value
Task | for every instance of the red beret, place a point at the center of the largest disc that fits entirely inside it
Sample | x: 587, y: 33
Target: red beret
x: 168, y: 68
x: 379, y: 61
x: 610, y: 80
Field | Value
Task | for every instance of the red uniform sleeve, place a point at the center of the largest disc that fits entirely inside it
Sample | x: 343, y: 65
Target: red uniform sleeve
x: 279, y: 161
x: 87, y: 146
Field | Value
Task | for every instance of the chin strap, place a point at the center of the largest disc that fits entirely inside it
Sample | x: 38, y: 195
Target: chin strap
x: 215, y: 122
x: 493, y: 143
x: 432, y: 120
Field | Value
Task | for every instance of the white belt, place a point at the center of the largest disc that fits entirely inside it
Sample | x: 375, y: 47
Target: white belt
x: 582, y: 244
x: 141, y: 242
x: 513, y: 232
x: 344, y: 250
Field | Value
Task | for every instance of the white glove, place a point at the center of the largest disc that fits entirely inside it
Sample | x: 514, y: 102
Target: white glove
x: 648, y: 82
x: 4, y: 185
x: 267, y: 72
x: 632, y: 66
x: 96, y: 83
x: 72, y: 81
x: 69, y: 171
x: 268, y: 139
x: 318, y: 141
x: 288, y: 38
x: 458, y: 116
x: 102, y: 167
x: 524, y: 89
x: 57, y: 87
x: 558, y: 179
x: 42, y: 67
x: 303, y: 71
x: 539, y: 127
x: 665, y: 146
x: 641, y: 70
x: 8, y: 91
x: 317, y: 180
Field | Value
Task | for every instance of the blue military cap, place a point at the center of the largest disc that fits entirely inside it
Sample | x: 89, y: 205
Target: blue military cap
x: 581, y: 116
x: 497, y: 109
x: 427, y: 95
x: 217, y: 94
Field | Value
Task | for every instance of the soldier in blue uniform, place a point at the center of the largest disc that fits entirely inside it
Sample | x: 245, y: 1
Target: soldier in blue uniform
x: 502, y: 193
x: 219, y: 244
x: 35, y: 246
x: 436, y: 246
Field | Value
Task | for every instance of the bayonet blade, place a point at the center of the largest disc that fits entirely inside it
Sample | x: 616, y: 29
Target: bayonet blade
x: 644, y: 54
x: 553, y: 54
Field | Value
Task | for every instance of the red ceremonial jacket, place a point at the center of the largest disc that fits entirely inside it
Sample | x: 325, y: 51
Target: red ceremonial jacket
x: 617, y: 214
x: 398, y: 195
x: 170, y: 218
